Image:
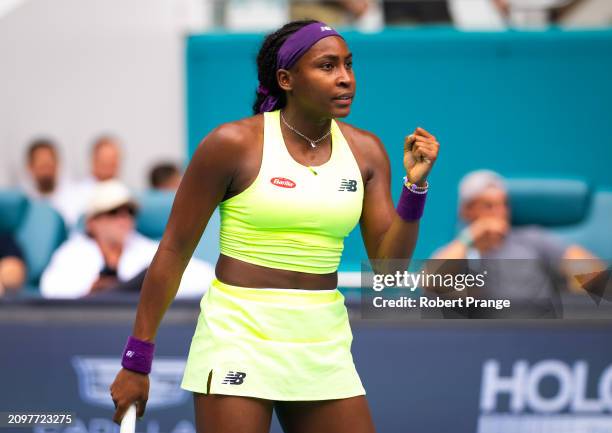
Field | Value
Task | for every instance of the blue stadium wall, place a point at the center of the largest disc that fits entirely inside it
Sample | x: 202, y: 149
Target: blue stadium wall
x: 522, y: 103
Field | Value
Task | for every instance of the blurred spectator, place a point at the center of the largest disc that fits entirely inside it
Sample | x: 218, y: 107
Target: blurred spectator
x: 45, y: 182
x: 478, y: 14
x: 105, y: 161
x: 105, y: 158
x: 165, y: 176
x: 364, y: 14
x: 110, y: 252
x: 12, y: 266
x: 484, y: 208
x: 416, y: 12
x: 105, y: 165
x: 43, y: 167
x: 497, y: 14
x: 585, y: 13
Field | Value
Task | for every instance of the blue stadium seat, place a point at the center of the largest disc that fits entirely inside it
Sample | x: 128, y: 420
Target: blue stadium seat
x: 13, y: 205
x: 569, y: 207
x: 595, y: 233
x: 155, y: 207
x: 548, y: 202
x: 154, y: 210
x: 40, y: 232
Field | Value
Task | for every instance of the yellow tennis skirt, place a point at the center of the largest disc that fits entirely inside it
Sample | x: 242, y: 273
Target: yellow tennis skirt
x: 275, y: 344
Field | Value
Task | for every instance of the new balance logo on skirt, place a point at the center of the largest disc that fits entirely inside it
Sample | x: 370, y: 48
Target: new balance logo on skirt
x: 234, y: 378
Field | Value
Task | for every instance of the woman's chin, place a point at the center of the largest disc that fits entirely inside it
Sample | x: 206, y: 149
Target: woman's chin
x: 339, y: 113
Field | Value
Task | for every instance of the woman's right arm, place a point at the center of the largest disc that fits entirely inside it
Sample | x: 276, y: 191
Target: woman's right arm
x: 203, y: 186
x: 206, y: 181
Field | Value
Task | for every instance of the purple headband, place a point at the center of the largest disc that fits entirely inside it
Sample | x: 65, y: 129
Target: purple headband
x: 290, y: 52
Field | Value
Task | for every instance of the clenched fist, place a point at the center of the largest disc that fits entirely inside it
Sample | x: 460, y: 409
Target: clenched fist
x: 420, y: 153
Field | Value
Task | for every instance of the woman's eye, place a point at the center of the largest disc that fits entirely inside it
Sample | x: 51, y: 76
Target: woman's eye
x: 349, y: 65
x: 327, y: 66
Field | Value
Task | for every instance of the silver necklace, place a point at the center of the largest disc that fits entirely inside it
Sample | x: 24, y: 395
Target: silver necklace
x: 312, y: 142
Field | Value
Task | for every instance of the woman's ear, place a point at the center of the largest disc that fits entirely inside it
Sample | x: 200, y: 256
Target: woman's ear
x: 283, y: 77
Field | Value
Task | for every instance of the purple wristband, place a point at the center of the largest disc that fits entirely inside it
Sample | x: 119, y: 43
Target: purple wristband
x: 138, y: 355
x: 411, y: 205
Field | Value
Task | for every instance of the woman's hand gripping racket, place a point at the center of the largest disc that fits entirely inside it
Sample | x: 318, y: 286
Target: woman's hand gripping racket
x: 129, y: 392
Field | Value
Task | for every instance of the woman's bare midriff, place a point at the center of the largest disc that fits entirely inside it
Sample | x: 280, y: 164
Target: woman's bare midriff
x: 238, y: 273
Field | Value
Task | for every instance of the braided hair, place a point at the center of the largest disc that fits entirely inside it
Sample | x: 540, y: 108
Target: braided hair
x: 266, y: 63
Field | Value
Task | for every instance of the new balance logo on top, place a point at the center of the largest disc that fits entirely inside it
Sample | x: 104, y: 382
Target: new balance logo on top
x: 234, y: 378
x: 129, y: 353
x: 325, y: 28
x: 348, y: 185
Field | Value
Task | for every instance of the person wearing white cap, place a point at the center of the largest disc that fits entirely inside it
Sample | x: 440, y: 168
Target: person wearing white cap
x: 110, y: 251
x: 484, y: 208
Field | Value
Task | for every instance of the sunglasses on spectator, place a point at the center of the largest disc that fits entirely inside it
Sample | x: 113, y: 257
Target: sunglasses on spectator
x: 122, y: 210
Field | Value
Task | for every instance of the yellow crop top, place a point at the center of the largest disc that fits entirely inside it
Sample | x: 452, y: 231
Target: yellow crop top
x: 294, y: 217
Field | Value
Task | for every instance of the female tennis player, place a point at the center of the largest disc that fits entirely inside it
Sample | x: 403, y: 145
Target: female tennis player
x: 291, y: 183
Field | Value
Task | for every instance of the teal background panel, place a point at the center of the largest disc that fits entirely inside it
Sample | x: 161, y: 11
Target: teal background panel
x: 534, y: 104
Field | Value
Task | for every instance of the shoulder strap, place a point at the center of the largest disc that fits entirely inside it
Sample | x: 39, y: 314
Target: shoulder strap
x: 343, y: 150
x: 272, y: 137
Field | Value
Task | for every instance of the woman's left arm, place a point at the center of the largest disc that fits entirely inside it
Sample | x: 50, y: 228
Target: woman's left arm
x: 385, y: 233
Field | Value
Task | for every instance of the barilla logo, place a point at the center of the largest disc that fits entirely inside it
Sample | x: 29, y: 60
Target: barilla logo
x: 325, y: 28
x: 283, y: 182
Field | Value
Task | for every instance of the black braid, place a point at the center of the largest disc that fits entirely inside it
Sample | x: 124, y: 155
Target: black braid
x: 266, y: 63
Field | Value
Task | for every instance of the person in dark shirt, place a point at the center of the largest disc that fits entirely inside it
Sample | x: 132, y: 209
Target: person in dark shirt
x: 12, y: 266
